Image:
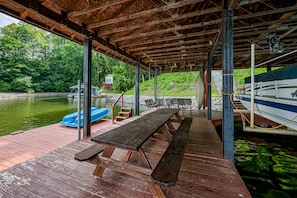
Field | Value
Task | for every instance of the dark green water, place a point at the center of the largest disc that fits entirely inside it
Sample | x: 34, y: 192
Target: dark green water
x: 28, y: 113
x: 267, y: 163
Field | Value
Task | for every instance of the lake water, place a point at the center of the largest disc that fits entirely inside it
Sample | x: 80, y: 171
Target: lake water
x: 28, y: 113
x: 267, y: 163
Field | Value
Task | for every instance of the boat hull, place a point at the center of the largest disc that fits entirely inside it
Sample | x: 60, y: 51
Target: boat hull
x: 71, y: 120
x: 275, y: 95
x: 277, y: 110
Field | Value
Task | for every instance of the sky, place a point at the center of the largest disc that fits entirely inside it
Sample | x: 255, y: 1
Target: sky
x: 6, y: 20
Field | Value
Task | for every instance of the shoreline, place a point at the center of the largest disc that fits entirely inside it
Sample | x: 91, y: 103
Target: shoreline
x: 28, y: 95
x: 128, y: 99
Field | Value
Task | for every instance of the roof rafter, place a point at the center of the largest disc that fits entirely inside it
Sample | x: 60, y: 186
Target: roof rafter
x: 178, y: 28
x: 146, y: 12
x: 156, y: 22
x: 95, y: 8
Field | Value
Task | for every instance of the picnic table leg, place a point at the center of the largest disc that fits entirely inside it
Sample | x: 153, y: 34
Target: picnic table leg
x: 166, y: 132
x: 179, y: 119
x: 170, y: 126
x: 142, y: 159
x: 106, y: 153
x: 128, y: 155
x: 156, y: 190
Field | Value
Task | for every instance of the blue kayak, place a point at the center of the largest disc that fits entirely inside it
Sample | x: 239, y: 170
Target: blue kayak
x: 71, y: 120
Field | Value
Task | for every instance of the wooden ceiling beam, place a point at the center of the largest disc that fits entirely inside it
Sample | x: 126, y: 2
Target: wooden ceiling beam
x: 95, y: 8
x: 24, y: 14
x: 166, y: 13
x: 61, y: 20
x: 175, y: 55
x: 172, y: 38
x: 169, y: 49
x: 179, y: 60
x: 267, y: 12
x: 160, y: 21
x: 159, y: 32
x: 165, y: 45
x: 263, y: 24
x: 143, y: 13
x: 273, y: 28
x: 164, y: 55
x: 176, y: 60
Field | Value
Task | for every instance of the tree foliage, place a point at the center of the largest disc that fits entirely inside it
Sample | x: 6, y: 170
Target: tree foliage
x: 33, y: 60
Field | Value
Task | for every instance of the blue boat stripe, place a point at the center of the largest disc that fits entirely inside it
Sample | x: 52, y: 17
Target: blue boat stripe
x: 276, y: 105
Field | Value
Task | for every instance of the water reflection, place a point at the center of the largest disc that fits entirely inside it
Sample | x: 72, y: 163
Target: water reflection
x: 269, y: 169
x: 26, y: 113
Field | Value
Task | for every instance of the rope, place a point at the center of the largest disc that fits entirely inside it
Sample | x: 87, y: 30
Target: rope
x: 246, y: 119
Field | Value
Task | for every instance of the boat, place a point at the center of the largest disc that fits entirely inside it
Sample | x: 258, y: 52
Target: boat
x: 74, y: 92
x: 71, y: 120
x: 275, y: 95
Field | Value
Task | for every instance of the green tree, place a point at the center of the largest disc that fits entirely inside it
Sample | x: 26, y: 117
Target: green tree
x: 124, y: 77
x: 21, y: 57
x: 33, y: 60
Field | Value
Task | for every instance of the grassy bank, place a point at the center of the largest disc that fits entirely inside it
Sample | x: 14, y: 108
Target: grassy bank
x: 171, y: 84
x: 183, y: 83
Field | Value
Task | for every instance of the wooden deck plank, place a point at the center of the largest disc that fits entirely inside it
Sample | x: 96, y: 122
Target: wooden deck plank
x: 67, y: 185
x: 12, y: 185
x: 203, y: 173
x: 20, y: 147
x: 36, y: 187
x: 82, y: 172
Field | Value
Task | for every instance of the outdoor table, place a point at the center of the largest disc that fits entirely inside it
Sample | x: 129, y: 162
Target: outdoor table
x: 131, y: 137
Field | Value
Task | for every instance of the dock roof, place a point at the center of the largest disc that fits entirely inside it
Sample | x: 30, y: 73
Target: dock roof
x: 168, y: 35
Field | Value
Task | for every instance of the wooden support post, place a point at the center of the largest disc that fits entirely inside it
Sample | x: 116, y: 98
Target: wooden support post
x: 87, y: 86
x: 227, y: 67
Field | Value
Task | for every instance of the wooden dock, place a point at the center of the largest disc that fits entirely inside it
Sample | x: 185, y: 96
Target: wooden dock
x: 26, y: 145
x: 203, y: 173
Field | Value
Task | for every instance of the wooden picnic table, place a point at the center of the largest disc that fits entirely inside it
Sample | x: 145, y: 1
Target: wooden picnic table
x: 131, y: 137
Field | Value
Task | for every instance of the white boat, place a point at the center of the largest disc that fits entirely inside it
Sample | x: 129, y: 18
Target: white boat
x: 275, y: 95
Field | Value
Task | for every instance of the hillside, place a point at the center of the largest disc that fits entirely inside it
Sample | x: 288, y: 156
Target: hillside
x: 183, y: 83
x: 171, y: 84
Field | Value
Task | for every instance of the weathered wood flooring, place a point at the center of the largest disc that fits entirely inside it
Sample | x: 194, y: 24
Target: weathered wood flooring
x: 203, y: 173
x: 20, y: 147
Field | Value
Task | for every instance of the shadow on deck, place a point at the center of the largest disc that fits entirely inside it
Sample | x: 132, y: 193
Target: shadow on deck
x: 203, y: 173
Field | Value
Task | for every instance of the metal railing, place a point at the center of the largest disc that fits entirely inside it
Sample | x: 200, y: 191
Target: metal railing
x: 113, y: 105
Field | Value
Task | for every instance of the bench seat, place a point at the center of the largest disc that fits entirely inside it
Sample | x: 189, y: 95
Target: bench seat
x: 167, y: 169
x: 89, y: 152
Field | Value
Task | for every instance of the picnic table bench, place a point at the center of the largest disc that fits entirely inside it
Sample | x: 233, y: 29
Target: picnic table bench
x: 131, y: 137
